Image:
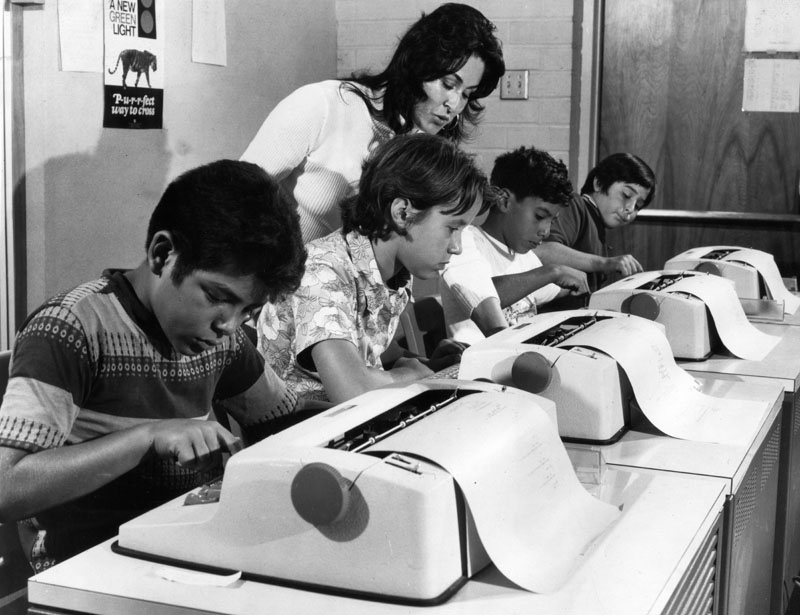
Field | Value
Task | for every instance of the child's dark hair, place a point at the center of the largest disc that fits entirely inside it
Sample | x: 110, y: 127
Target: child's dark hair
x: 621, y: 167
x: 232, y: 214
x: 438, y: 44
x: 528, y: 171
x: 424, y: 169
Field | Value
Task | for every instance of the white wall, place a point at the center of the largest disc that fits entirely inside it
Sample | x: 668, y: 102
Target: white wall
x: 90, y: 190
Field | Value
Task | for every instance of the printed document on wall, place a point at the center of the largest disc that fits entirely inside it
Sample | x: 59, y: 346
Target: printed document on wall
x: 771, y: 85
x: 772, y: 25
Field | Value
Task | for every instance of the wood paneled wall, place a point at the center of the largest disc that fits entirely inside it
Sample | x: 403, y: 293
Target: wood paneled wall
x: 672, y: 75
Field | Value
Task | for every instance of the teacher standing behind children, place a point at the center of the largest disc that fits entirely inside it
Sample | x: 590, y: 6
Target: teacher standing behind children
x: 316, y: 139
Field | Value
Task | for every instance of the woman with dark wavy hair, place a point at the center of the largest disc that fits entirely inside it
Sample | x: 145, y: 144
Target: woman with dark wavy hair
x: 315, y: 140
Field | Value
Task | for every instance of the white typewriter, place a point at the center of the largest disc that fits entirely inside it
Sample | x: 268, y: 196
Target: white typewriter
x: 288, y: 510
x: 724, y: 261
x: 673, y: 299
x: 544, y: 355
x: 754, y: 273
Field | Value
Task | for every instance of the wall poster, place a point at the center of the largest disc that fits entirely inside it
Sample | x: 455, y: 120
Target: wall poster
x: 134, y: 45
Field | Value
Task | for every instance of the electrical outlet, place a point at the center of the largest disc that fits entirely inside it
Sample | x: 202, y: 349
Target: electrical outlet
x: 514, y: 85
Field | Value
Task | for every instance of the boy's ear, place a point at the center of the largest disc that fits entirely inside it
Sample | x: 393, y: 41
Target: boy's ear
x: 503, y: 200
x: 159, y: 251
x: 402, y: 213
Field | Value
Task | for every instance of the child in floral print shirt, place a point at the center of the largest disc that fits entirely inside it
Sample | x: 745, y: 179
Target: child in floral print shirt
x: 329, y: 340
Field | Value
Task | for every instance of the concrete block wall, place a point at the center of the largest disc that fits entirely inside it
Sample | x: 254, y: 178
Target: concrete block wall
x: 536, y: 35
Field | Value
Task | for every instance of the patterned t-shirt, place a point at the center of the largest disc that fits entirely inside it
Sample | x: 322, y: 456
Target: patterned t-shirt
x: 343, y: 297
x: 93, y: 361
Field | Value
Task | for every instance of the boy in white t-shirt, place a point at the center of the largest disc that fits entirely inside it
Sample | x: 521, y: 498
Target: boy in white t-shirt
x: 497, y: 278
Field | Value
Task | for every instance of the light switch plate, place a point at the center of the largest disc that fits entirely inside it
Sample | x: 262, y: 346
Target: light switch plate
x: 514, y: 85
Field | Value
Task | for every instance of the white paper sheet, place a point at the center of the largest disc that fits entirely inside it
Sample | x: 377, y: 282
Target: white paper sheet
x: 765, y: 263
x: 194, y: 577
x: 533, y: 516
x: 667, y: 394
x: 209, y: 39
x: 771, y: 85
x: 80, y: 34
x: 772, y: 25
x: 737, y: 333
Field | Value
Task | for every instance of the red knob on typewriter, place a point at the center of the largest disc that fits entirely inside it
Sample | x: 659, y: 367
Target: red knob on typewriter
x: 707, y: 267
x: 320, y: 494
x: 531, y: 372
x: 644, y: 306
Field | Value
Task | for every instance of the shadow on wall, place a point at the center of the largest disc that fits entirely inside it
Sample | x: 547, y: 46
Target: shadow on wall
x: 95, y: 209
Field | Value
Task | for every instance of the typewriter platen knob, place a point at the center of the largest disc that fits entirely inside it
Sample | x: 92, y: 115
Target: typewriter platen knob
x: 320, y: 495
x: 644, y: 306
x: 531, y: 372
x: 707, y: 267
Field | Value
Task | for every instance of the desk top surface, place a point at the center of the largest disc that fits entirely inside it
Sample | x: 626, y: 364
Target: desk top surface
x: 782, y: 364
x: 653, y: 451
x: 631, y: 569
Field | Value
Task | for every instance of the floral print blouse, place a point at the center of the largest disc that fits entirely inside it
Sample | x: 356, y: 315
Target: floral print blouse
x: 342, y: 297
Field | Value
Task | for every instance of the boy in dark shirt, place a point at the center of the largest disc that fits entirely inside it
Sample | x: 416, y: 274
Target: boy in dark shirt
x: 613, y: 193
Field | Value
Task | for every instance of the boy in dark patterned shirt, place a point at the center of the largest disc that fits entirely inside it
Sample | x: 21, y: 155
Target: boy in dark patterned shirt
x: 113, y: 383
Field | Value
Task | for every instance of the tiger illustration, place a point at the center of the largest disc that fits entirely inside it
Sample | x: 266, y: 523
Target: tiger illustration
x: 135, y: 60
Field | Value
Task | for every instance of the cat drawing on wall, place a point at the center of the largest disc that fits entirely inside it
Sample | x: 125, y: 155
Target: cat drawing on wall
x: 135, y: 60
